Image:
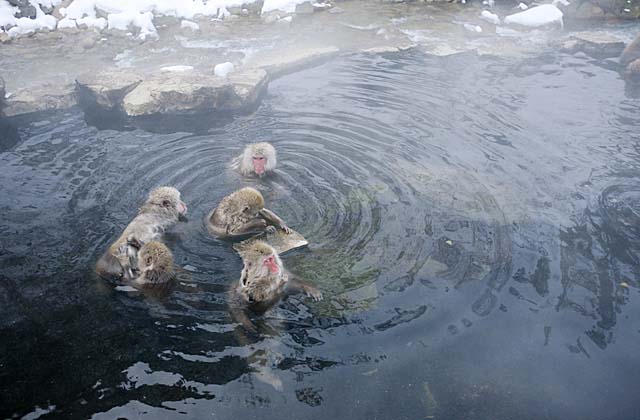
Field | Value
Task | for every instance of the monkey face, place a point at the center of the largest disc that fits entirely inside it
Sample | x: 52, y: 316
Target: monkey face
x: 272, y: 264
x: 168, y: 198
x: 259, y: 164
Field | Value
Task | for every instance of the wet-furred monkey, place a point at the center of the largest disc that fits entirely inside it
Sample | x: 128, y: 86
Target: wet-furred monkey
x: 257, y: 159
x: 161, y: 210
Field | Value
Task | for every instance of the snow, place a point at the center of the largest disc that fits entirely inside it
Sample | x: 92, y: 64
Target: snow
x: 6, y: 13
x: 522, y: 6
x: 490, y: 17
x: 537, y: 16
x: 126, y: 289
x: 187, y: 24
x: 223, y: 69
x: 287, y: 6
x: 144, y: 21
x: 176, y: 68
x: 27, y: 25
x: 472, y: 28
x: 67, y: 23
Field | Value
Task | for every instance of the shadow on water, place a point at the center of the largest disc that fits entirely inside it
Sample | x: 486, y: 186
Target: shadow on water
x: 473, y: 225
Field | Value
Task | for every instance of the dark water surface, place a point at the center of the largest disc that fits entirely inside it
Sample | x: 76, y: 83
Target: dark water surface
x: 474, y: 225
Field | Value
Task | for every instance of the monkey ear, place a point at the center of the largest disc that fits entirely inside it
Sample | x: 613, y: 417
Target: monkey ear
x: 246, y: 209
x: 243, y: 279
x: 149, y: 260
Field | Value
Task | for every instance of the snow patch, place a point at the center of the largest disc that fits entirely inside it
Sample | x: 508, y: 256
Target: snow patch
x: 187, y: 24
x: 126, y: 289
x: 490, y: 17
x: 287, y: 6
x: 223, y: 69
x: 534, y: 17
x: 176, y: 68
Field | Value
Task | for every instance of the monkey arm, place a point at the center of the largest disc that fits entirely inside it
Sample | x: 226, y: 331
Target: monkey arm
x: 273, y: 219
x: 252, y: 226
x: 295, y: 285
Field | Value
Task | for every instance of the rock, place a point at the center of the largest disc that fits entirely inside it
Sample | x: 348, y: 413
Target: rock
x: 105, y: 90
x: 594, y: 44
x: 62, y: 5
x: 631, y: 52
x: 44, y: 97
x: 588, y: 11
x: 247, y: 86
x: 2, y: 93
x: 279, y: 240
x: 25, y: 8
x: 304, y: 8
x: 4, y: 38
x: 176, y: 94
x: 294, y: 60
x: 321, y: 7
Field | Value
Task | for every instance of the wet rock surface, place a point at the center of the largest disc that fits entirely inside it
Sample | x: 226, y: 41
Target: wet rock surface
x: 595, y: 44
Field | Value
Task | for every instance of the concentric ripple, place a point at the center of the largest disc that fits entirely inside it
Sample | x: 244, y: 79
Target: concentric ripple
x: 456, y: 221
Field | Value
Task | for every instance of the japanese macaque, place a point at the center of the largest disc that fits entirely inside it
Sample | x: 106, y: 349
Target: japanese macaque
x: 242, y: 213
x: 162, y: 210
x: 155, y: 266
x: 257, y: 159
x: 630, y: 60
x: 263, y: 282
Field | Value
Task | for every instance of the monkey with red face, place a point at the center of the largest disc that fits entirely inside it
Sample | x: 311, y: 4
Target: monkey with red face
x: 263, y: 283
x: 257, y: 159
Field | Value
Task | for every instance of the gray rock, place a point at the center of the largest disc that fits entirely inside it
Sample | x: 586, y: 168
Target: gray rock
x: 175, y: 94
x: 105, y: 90
x: 25, y: 8
x: 44, y: 97
x: 594, y: 44
x: 294, y: 60
x: 304, y: 8
x: 247, y: 86
x: 631, y: 52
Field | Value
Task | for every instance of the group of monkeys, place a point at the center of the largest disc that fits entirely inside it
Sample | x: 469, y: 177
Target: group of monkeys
x: 139, y: 259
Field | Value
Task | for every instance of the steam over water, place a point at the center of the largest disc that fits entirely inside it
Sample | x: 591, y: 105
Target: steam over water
x: 474, y: 225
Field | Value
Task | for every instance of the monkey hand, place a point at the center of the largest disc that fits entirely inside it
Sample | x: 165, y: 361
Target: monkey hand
x: 314, y: 293
x: 286, y: 229
x: 270, y: 230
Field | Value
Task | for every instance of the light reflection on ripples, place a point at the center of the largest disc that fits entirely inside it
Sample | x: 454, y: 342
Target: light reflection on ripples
x: 461, y: 212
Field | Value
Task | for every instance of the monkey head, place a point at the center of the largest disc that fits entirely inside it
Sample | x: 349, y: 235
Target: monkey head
x: 258, y: 158
x: 166, y: 199
x: 263, y: 273
x: 156, y: 256
x: 249, y: 201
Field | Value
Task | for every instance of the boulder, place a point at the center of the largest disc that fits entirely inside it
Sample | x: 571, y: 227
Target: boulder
x: 304, y: 8
x: 43, y: 97
x: 175, y: 94
x: 105, y: 90
x: 247, y: 87
x: 25, y: 8
x: 594, y: 44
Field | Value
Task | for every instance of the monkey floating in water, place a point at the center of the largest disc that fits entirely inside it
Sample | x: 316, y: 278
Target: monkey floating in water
x: 263, y: 282
x: 258, y: 159
x: 162, y: 210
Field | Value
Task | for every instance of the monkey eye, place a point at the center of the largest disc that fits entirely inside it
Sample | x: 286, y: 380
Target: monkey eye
x: 259, y: 157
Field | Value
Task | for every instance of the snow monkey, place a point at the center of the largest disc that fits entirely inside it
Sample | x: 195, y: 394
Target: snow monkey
x: 155, y: 266
x: 242, y: 213
x: 257, y: 158
x: 263, y: 282
x: 162, y: 210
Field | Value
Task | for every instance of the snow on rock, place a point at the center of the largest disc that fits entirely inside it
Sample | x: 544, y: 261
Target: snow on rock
x: 287, y: 6
x: 187, y: 24
x: 522, y: 6
x: 223, y: 69
x: 472, y: 28
x: 176, y: 69
x: 67, y: 23
x: 26, y: 25
x: 6, y: 14
x: 490, y: 17
x: 534, y: 17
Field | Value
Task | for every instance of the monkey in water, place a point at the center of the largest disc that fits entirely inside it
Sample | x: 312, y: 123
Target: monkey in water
x: 263, y: 283
x: 162, y: 210
x: 257, y: 159
x: 242, y: 213
x: 155, y: 267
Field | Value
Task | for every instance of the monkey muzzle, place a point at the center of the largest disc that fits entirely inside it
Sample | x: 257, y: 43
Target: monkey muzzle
x: 259, y: 163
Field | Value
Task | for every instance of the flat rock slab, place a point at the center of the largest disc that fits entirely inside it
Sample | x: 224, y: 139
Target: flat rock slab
x: 106, y: 89
x: 194, y: 93
x: 45, y: 97
x: 280, y: 241
x: 595, y: 44
x: 294, y: 60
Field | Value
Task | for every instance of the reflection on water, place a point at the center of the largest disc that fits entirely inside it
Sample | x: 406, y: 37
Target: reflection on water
x: 474, y: 226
